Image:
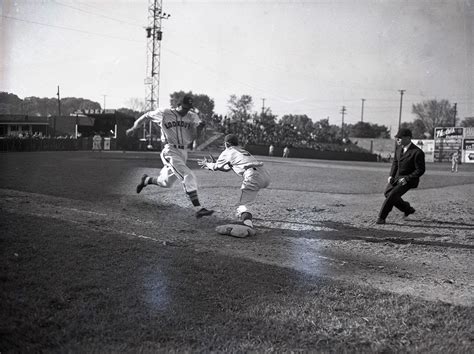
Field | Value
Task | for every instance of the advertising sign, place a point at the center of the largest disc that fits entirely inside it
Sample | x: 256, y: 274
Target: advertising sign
x: 468, y: 146
x: 447, y: 140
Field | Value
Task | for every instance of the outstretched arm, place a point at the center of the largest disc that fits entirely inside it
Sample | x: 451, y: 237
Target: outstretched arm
x: 145, y: 118
x: 211, y: 164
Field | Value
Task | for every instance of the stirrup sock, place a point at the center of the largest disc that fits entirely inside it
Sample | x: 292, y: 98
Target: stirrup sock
x: 194, y: 198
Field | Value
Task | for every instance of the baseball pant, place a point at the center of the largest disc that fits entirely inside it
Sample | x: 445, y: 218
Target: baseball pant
x: 255, y: 178
x: 174, y: 161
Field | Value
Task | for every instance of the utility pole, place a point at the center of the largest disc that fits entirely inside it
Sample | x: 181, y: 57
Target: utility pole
x: 362, y: 111
x: 59, y: 113
x: 400, y: 114
x: 455, y: 109
x: 263, y: 106
x: 104, y: 102
x: 343, y: 111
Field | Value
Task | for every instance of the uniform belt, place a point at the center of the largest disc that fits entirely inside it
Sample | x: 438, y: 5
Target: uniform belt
x: 182, y: 147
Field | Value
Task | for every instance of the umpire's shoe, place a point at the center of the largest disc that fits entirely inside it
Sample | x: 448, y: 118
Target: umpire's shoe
x: 203, y: 212
x: 410, y: 211
x: 142, y: 184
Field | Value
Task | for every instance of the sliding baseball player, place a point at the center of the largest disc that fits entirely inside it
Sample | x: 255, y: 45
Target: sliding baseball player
x: 255, y: 176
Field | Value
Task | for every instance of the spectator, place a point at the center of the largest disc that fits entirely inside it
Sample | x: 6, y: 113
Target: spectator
x: 271, y: 150
x: 96, y: 142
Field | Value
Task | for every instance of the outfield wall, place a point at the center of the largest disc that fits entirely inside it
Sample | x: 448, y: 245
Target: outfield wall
x: 313, y: 154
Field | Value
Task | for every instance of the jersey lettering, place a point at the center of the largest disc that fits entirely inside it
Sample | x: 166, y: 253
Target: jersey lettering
x: 174, y: 124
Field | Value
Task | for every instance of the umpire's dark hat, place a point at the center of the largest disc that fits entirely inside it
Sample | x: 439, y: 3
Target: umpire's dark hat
x: 404, y: 132
x: 231, y: 139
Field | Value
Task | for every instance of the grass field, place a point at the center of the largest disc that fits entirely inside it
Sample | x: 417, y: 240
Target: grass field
x: 87, y: 265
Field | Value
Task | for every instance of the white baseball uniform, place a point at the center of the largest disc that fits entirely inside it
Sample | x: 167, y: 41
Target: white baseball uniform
x: 255, y: 176
x: 177, y: 132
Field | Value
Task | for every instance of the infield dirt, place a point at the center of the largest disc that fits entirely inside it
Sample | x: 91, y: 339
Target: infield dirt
x: 80, y: 246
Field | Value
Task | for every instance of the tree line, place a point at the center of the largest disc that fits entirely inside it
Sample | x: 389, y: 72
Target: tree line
x: 428, y: 115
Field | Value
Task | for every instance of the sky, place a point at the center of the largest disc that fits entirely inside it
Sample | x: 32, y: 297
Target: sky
x: 294, y: 57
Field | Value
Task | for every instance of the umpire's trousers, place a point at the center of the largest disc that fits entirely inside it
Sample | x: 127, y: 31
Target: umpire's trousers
x: 393, y: 198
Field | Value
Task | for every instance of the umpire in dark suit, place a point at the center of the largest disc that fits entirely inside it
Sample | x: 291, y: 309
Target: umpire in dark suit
x: 407, y: 168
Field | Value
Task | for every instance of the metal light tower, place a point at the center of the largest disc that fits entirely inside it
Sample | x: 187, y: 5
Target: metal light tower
x: 154, y: 35
x: 152, y: 80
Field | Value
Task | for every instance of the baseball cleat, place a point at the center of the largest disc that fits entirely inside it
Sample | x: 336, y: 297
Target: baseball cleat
x: 142, y: 184
x: 380, y: 221
x: 203, y: 212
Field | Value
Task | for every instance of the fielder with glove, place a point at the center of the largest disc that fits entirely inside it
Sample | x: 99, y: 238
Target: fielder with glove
x: 255, y: 176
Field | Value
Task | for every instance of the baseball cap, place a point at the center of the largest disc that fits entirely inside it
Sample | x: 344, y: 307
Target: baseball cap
x: 231, y: 139
x: 403, y: 132
x: 187, y: 100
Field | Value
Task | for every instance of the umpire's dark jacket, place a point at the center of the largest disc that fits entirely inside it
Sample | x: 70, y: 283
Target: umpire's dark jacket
x: 410, y: 165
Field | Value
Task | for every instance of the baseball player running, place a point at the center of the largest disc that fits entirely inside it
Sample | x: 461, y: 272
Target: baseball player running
x: 179, y: 128
x: 255, y: 176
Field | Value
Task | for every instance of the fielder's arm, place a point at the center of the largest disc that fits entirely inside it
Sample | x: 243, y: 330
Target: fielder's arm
x: 213, y: 165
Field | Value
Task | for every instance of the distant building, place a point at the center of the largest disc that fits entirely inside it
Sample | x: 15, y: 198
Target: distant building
x: 84, y: 123
x: 20, y: 124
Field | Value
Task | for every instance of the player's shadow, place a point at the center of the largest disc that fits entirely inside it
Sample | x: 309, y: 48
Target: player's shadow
x: 331, y: 230
x: 439, y: 224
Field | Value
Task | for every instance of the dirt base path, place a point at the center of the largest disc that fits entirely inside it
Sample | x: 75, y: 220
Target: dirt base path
x: 325, y: 234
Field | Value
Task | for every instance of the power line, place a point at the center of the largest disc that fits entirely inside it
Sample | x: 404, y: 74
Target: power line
x: 99, y: 15
x: 70, y: 29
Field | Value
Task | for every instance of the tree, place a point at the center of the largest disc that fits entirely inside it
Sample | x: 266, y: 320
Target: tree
x: 368, y: 130
x: 301, y: 121
x: 434, y: 113
x: 36, y: 106
x: 135, y: 104
x: 267, y: 118
x: 323, y: 132
x: 467, y: 122
x: 240, y: 108
x: 417, y: 128
x: 203, y: 103
x: 9, y: 103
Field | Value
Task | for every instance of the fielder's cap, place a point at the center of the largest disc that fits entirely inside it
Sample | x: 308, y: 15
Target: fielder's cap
x: 404, y: 132
x: 231, y: 139
x: 187, y: 100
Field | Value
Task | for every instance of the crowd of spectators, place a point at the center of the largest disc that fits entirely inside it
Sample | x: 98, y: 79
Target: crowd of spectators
x: 279, y: 135
x: 249, y: 133
x: 37, y: 141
